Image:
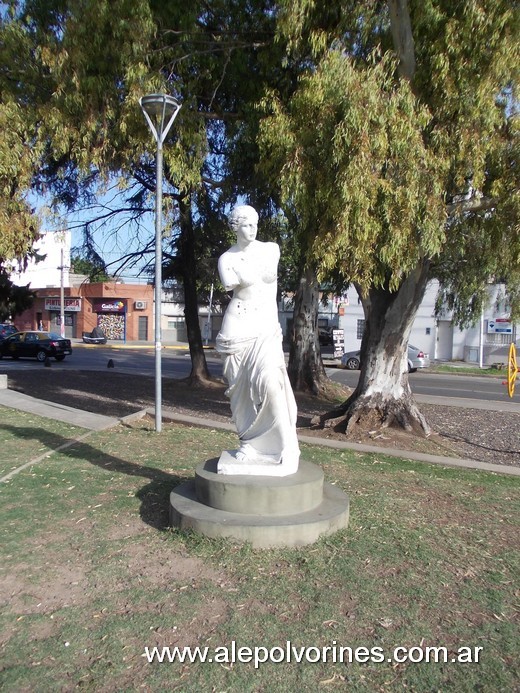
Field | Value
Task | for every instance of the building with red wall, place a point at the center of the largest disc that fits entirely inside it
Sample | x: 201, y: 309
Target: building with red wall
x: 123, y: 311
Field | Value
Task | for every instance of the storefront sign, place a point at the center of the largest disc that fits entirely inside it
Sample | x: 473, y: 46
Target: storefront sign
x: 114, y: 305
x: 338, y: 338
x: 500, y: 326
x: 72, y: 305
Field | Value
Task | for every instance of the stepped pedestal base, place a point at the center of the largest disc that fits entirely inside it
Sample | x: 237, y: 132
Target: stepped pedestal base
x: 267, y: 511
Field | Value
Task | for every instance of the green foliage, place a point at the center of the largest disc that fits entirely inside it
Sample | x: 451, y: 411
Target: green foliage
x: 353, y: 162
x: 95, y: 271
x: 13, y: 299
x: 19, y: 151
x: 367, y: 162
x: 381, y: 169
x: 93, y: 60
x: 485, y: 244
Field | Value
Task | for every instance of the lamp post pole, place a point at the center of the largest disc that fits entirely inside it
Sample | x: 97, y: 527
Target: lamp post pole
x: 160, y: 111
x: 158, y: 287
x: 61, y: 236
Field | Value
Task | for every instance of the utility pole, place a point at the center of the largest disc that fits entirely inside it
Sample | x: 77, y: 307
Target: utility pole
x: 62, y: 297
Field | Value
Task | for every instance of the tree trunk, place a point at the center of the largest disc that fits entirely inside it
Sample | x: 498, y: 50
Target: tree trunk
x: 305, y: 369
x: 401, y: 28
x: 199, y: 367
x: 383, y: 396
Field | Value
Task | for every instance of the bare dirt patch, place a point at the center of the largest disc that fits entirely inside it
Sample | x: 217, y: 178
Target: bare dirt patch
x: 65, y: 586
x: 169, y: 568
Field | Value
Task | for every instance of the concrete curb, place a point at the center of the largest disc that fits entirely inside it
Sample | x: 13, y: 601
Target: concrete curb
x: 415, y: 456
x: 134, y: 345
x: 136, y: 416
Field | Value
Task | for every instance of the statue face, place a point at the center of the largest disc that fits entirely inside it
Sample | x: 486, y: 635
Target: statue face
x: 246, y: 228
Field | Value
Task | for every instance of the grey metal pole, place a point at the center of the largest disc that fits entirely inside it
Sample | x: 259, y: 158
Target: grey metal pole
x: 160, y: 110
x: 158, y: 286
x: 62, y: 297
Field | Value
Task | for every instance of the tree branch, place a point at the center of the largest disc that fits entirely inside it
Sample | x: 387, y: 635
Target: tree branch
x: 215, y: 184
x: 474, y: 204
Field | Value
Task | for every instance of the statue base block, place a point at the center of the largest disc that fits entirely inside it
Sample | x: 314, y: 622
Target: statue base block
x: 268, y: 511
x: 260, y: 466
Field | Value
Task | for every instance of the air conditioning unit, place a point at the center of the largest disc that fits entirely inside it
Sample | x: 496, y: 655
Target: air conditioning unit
x: 140, y: 305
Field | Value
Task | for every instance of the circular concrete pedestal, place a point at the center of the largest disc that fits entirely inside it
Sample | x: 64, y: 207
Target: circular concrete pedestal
x: 267, y: 511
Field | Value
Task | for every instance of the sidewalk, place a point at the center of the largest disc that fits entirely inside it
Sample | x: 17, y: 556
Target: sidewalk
x: 52, y: 410
x: 113, y: 344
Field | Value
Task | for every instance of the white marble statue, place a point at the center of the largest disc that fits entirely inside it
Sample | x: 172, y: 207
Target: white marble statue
x: 250, y: 340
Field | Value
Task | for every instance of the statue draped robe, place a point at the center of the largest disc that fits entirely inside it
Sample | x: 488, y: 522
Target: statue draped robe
x: 262, y: 401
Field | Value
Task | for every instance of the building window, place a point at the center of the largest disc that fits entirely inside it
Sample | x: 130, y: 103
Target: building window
x: 360, y: 329
x: 176, y: 324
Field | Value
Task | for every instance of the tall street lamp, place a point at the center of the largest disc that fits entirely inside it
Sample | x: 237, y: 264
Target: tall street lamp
x: 160, y: 110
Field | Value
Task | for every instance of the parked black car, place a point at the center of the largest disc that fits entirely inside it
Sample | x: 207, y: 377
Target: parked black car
x: 6, y: 328
x: 35, y: 344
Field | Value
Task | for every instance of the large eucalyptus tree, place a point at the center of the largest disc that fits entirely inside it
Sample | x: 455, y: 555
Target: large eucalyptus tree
x: 400, y: 151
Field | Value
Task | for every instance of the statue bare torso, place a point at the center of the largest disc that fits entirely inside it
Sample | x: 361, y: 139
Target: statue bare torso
x: 251, y: 274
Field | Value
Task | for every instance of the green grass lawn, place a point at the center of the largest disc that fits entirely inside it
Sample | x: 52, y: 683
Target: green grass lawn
x: 25, y: 437
x: 91, y: 574
x: 488, y: 371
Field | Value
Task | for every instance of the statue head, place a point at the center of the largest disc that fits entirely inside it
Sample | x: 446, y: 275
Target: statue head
x: 242, y: 212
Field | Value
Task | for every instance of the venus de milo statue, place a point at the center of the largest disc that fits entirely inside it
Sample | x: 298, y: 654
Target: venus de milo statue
x: 250, y: 340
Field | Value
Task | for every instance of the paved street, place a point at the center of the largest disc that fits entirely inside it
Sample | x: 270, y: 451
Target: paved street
x: 176, y: 364
x: 440, y: 385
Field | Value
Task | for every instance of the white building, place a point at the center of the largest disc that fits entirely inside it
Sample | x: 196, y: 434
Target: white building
x: 173, y: 323
x: 54, y: 246
x: 438, y: 336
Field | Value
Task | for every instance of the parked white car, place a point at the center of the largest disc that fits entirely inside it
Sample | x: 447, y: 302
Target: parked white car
x: 416, y: 359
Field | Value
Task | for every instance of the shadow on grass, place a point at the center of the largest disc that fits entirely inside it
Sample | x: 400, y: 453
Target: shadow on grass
x: 154, y: 496
x: 458, y: 437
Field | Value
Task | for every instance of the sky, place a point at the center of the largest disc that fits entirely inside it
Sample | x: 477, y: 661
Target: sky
x: 113, y: 236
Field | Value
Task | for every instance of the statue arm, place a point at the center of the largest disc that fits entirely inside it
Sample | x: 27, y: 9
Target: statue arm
x: 227, y: 273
